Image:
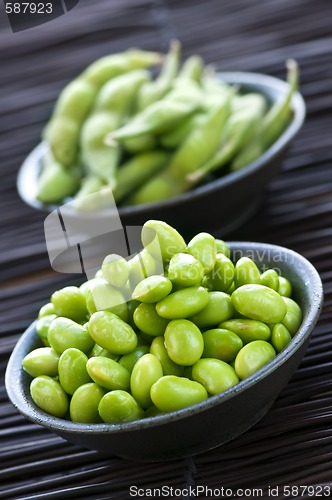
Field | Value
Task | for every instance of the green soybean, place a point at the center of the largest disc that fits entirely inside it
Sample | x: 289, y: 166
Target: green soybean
x: 115, y: 270
x: 285, y: 287
x: 119, y: 406
x: 113, y: 334
x: 222, y: 275
x: 48, y: 395
x: 170, y: 240
x: 185, y: 270
x: 252, y: 357
x: 152, y: 289
x: 159, y: 350
x: 145, y: 373
x: 147, y: 319
x: 171, y: 393
x: 104, y: 297
x: 293, y: 318
x: 84, y: 403
x: 259, y: 302
x: 43, y: 325
x: 246, y: 272
x: 72, y: 370
x: 128, y: 360
x: 270, y: 278
x: 41, y: 361
x: 64, y: 333
x: 183, y: 342
x: 108, y: 373
x: 247, y: 329
x: 46, y: 310
x: 215, y: 375
x: 221, y: 343
x: 70, y: 303
x: 183, y: 303
x: 280, y: 337
x: 203, y: 247
x: 219, y: 308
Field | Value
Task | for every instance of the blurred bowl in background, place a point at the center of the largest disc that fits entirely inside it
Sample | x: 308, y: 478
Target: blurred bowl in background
x: 222, y: 203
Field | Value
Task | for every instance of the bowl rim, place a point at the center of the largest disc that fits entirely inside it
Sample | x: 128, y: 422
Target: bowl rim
x: 29, y: 170
x: 26, y: 407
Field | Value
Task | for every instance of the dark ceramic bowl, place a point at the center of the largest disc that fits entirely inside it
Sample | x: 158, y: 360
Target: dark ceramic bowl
x: 224, y: 202
x: 203, y: 426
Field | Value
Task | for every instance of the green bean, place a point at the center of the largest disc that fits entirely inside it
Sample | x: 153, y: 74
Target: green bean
x: 147, y: 370
x: 203, y: 246
x: 136, y: 171
x: 245, y: 272
x: 214, y: 374
x: 108, y: 373
x: 119, y: 406
x: 171, y: 393
x: 70, y: 303
x: 41, y: 361
x: 115, y: 270
x: 153, y: 91
x: 84, y: 403
x: 64, y: 333
x: 72, y: 370
x: 48, y: 395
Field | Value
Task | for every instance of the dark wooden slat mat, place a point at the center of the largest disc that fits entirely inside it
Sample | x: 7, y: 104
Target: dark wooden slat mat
x: 292, y: 445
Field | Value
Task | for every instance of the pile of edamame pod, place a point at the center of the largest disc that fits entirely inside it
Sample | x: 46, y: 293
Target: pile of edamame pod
x: 149, y: 138
x: 135, y: 342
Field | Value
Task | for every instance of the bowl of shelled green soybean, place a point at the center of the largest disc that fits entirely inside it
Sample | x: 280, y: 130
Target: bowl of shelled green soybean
x: 164, y: 144
x: 195, y: 357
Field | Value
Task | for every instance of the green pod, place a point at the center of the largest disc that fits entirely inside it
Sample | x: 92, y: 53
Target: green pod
x: 136, y: 171
x: 203, y: 247
x: 247, y: 329
x: 155, y: 90
x: 157, y: 118
x: 62, y: 134
x: 84, y: 403
x: 41, y: 361
x: 293, y: 318
x: 98, y: 158
x: 48, y: 395
x: 90, y: 185
x: 183, y: 303
x: 119, y: 406
x: 280, y: 337
x: 285, y: 287
x: 128, y: 360
x: 221, y: 343
x: 222, y: 275
x: 56, y: 183
x: 259, y: 302
x: 64, y: 333
x: 108, y: 373
x: 192, y: 69
x: 201, y: 143
x: 159, y: 350
x: 70, y: 303
x: 219, y: 308
x: 183, y: 342
x: 252, y: 357
x: 215, y: 375
x: 185, y: 270
x: 75, y: 100
x: 119, y: 94
x: 113, y: 334
x: 170, y: 240
x: 172, y: 393
x: 145, y: 373
x: 72, y: 370
x: 162, y: 186
x: 115, y: 270
x: 250, y: 152
x: 148, y: 320
x: 270, y: 278
x: 152, y: 289
x: 175, y: 137
x: 246, y: 272
x: 107, y: 67
x: 43, y: 325
x: 140, y: 144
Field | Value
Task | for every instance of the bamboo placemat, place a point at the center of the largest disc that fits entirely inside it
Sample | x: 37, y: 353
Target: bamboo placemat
x: 292, y: 445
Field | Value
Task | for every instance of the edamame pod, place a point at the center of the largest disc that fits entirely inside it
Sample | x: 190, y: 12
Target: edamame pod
x: 56, y: 183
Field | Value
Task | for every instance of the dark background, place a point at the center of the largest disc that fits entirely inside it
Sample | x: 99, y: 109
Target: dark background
x: 292, y: 445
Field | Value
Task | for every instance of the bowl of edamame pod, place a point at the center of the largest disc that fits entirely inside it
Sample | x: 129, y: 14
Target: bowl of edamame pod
x: 196, y: 354
x: 189, y: 140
